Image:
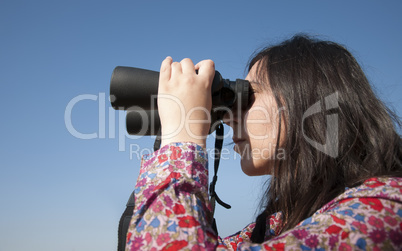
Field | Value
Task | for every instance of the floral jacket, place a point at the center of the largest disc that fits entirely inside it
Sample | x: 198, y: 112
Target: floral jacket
x: 172, y: 212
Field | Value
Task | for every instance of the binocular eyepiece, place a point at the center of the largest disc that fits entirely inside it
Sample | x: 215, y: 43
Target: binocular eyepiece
x: 136, y: 90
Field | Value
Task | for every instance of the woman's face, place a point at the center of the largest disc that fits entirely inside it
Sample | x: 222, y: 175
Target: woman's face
x: 255, y: 131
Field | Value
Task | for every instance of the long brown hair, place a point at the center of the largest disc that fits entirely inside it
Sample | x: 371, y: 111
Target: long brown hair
x: 322, y: 158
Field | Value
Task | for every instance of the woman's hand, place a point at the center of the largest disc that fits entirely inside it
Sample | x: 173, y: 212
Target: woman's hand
x: 184, y: 100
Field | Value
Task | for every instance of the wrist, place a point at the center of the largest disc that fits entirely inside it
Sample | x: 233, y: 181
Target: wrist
x: 200, y: 142
x: 194, y: 134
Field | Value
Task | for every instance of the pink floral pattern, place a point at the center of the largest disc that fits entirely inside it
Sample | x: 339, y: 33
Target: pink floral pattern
x: 172, y: 212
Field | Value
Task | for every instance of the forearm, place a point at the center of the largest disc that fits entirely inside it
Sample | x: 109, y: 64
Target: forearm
x: 172, y: 206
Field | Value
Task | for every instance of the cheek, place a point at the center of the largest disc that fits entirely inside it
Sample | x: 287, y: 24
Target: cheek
x: 260, y: 123
x: 257, y: 156
x: 262, y: 132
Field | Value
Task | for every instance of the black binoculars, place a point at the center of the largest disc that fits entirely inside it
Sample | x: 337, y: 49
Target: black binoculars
x: 136, y: 90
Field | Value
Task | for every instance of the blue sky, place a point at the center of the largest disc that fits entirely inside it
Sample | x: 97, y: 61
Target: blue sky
x: 59, y: 192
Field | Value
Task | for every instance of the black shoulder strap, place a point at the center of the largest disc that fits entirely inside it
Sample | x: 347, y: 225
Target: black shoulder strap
x: 124, y: 223
x: 217, y: 157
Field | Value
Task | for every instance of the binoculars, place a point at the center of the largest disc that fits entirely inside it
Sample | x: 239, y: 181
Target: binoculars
x: 136, y: 90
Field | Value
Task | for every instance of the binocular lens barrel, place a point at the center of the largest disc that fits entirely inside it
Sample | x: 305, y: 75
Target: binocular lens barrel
x: 136, y: 90
x: 134, y: 87
x: 143, y: 123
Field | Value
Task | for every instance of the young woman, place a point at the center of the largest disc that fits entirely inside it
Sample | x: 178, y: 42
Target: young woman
x: 336, y: 184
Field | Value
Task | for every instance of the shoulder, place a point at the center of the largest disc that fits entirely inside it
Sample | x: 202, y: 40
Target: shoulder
x: 373, y: 190
x: 365, y: 217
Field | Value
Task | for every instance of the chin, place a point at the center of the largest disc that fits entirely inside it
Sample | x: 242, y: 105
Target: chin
x: 249, y: 168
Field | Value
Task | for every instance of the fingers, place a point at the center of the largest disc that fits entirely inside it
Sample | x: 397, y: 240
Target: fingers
x: 170, y: 69
x: 165, y: 72
x: 187, y: 66
x: 206, y: 68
